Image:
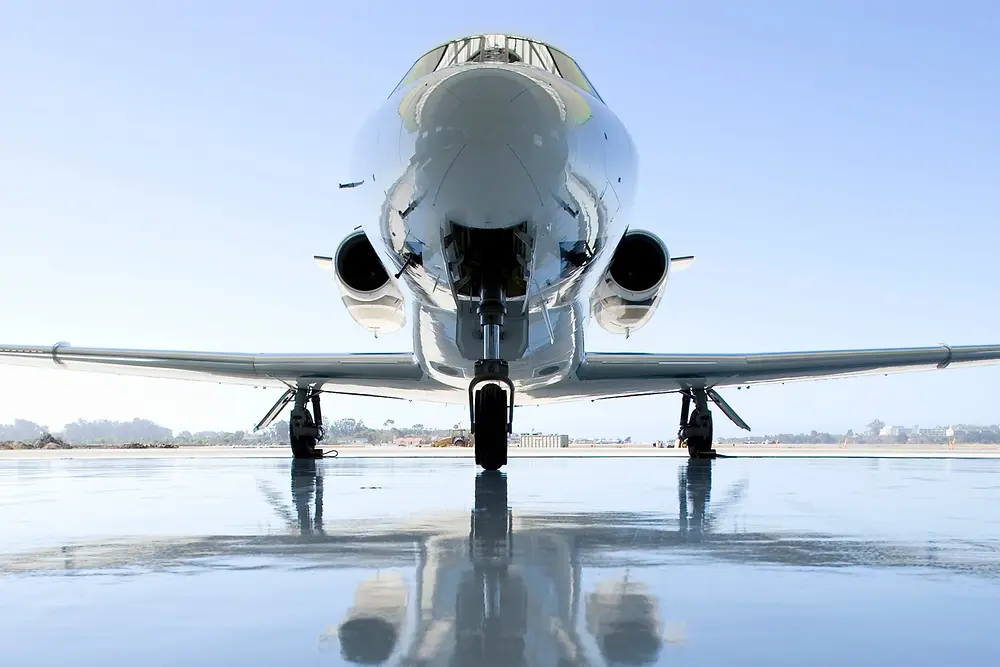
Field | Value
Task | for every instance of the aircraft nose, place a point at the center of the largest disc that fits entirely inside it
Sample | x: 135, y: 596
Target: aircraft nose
x: 490, y: 143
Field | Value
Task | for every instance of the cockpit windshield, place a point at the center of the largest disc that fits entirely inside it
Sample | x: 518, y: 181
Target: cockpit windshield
x: 500, y: 49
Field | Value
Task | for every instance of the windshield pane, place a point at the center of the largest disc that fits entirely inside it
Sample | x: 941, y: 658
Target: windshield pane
x: 500, y: 49
x: 572, y: 72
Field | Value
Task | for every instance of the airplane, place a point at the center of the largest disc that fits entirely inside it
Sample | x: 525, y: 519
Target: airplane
x: 499, y: 186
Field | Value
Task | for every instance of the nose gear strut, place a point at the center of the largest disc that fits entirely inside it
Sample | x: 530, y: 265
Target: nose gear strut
x: 491, y: 408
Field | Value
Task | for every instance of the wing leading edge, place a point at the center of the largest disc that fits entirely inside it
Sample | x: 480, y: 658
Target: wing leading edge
x: 609, y: 375
x: 396, y: 375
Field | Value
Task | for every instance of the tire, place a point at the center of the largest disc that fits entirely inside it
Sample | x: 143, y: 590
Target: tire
x: 302, y: 447
x: 477, y: 402
x: 491, y: 427
x: 698, y: 445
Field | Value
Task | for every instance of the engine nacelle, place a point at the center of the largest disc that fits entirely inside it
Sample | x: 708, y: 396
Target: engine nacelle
x: 372, y: 297
x: 633, y: 286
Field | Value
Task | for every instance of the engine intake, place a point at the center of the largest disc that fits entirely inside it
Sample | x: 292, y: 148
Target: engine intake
x: 633, y: 285
x: 371, y: 296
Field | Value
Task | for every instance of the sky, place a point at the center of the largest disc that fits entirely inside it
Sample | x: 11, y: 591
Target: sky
x: 168, y: 169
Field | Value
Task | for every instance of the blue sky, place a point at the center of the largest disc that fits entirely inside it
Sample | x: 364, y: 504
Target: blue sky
x: 167, y: 170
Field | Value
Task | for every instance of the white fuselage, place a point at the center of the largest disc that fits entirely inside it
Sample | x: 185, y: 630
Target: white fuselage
x: 476, y: 148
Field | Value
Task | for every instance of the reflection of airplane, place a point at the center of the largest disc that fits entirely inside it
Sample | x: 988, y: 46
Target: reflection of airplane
x: 498, y: 187
x: 508, y: 586
x: 596, y: 537
x: 488, y: 598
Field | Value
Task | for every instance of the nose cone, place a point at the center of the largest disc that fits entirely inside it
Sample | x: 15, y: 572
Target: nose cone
x: 490, y: 144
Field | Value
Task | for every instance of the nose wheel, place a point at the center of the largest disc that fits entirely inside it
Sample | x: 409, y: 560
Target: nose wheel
x: 491, y: 426
x: 491, y: 413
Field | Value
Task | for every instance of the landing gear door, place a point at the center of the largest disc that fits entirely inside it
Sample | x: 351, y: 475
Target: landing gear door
x: 469, y: 333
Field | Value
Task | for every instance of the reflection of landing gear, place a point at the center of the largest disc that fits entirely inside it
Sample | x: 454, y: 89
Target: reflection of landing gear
x: 695, y: 431
x: 305, y: 430
x: 491, y: 393
x: 492, y: 604
x: 490, y: 537
x: 307, y: 489
x: 694, y: 486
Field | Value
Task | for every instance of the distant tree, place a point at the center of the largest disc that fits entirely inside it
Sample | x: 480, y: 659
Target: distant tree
x: 22, y: 429
x: 418, y: 427
x: 388, y: 424
x: 84, y: 432
x: 277, y: 432
x: 875, y: 426
x: 348, y: 426
x: 850, y: 433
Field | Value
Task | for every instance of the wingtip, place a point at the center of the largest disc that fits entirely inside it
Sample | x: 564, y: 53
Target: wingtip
x: 681, y: 263
x: 324, y: 262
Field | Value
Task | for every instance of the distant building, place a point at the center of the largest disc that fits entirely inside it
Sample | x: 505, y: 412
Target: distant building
x: 350, y: 440
x: 551, y: 441
x: 410, y: 441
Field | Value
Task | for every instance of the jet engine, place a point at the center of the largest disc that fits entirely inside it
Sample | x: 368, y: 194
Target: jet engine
x: 371, y: 296
x: 633, y: 285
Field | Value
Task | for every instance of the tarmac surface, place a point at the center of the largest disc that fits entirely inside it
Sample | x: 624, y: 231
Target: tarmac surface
x: 187, y: 559
x: 574, y: 451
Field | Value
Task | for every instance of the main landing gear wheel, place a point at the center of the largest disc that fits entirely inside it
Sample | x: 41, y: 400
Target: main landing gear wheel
x: 305, y: 431
x: 696, y: 429
x: 491, y: 427
x: 699, y: 440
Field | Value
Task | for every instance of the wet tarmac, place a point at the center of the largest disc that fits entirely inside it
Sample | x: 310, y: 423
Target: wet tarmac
x: 559, y: 562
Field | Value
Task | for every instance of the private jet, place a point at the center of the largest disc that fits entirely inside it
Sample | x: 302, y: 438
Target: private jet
x: 499, y: 186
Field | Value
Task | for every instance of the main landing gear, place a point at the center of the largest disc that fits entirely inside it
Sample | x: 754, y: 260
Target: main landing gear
x: 305, y: 430
x: 491, y: 393
x: 696, y: 426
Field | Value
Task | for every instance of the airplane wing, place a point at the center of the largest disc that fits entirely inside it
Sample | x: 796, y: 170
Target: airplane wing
x: 610, y: 375
x: 396, y: 375
x: 600, y: 375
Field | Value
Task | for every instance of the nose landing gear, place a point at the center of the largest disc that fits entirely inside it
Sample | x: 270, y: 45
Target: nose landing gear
x: 491, y: 393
